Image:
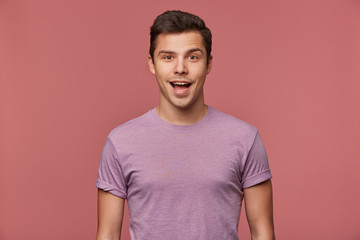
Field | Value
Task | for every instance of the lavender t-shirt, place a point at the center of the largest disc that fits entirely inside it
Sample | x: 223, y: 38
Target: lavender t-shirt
x: 183, y: 182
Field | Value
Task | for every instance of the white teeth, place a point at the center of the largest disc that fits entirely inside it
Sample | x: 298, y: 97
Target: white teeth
x: 180, y: 83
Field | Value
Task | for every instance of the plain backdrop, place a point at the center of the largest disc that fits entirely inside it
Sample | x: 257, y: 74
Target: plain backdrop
x: 71, y: 71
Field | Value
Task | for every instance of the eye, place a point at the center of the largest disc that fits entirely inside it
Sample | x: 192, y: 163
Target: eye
x: 167, y: 57
x: 193, y: 57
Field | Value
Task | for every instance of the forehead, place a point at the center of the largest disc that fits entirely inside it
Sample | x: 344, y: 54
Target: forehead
x: 179, y: 41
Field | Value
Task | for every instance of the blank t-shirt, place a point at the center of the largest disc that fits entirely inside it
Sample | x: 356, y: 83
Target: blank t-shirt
x: 183, y: 182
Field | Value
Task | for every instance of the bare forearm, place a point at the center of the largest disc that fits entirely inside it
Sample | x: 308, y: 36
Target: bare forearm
x: 259, y: 211
x: 101, y: 236
x: 267, y: 236
x: 106, y: 233
x: 262, y: 230
x: 110, y: 216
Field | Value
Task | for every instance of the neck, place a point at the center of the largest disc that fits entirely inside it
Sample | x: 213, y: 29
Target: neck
x: 182, y: 116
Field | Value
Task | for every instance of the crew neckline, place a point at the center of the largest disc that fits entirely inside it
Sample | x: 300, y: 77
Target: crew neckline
x: 182, y: 127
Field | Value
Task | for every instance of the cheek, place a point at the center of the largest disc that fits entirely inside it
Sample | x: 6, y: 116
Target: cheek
x: 159, y: 68
x: 161, y: 77
x: 201, y: 74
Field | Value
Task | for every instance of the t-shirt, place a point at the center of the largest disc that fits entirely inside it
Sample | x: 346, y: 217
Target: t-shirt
x: 183, y: 181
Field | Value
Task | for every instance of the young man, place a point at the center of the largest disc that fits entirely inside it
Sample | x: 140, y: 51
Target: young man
x: 183, y: 167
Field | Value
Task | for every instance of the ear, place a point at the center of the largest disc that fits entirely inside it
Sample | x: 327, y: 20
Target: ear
x: 209, y: 65
x: 151, y: 65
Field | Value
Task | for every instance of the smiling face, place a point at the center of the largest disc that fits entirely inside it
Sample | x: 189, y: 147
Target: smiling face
x: 180, y: 67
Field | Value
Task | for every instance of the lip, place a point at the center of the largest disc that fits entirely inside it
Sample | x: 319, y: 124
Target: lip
x: 179, y: 81
x: 180, y: 92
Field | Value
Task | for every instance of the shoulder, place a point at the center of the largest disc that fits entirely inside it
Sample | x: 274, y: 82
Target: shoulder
x: 131, y: 127
x: 233, y: 125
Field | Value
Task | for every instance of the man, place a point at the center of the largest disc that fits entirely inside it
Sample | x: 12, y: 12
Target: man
x: 183, y: 167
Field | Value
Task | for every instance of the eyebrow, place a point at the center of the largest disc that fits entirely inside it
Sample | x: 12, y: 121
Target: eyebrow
x: 195, y: 50
x: 166, y: 52
x: 188, y: 51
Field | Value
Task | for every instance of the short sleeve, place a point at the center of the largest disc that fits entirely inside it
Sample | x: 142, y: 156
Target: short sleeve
x: 110, y: 176
x: 256, y: 167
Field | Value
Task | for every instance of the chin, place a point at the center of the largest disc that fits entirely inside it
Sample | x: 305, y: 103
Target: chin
x: 183, y: 106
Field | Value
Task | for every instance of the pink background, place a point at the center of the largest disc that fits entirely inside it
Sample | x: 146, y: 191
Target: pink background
x: 73, y: 70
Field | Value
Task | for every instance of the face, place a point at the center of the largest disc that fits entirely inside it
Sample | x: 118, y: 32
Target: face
x: 180, y: 67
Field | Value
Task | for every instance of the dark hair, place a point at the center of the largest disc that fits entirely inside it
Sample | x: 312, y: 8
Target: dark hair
x: 176, y: 22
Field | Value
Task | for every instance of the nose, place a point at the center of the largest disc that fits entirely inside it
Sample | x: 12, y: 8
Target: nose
x: 180, y: 67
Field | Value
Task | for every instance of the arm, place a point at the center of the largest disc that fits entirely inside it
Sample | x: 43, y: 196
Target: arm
x: 259, y: 211
x: 110, y: 216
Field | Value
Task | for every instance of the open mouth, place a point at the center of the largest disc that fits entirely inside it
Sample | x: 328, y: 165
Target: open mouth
x: 180, y: 85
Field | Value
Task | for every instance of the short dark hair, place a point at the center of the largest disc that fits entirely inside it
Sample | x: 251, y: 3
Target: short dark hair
x: 176, y: 22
